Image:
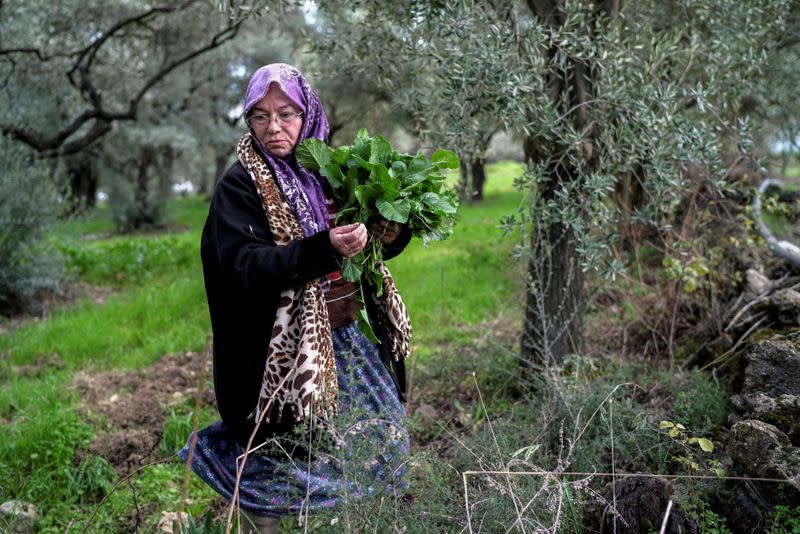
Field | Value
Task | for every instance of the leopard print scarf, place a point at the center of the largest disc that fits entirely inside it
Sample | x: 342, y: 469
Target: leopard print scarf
x: 300, y: 373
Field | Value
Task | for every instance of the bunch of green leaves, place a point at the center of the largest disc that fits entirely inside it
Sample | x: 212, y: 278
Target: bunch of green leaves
x: 370, y: 179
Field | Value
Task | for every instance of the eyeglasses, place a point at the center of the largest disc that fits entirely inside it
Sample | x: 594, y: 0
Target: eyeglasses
x: 283, y: 118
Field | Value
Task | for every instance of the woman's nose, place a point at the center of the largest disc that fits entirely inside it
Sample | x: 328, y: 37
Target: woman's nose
x: 273, y: 126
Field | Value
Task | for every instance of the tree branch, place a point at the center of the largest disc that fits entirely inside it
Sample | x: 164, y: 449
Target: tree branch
x: 103, y: 118
x: 221, y: 37
x: 83, y: 64
x: 38, y: 53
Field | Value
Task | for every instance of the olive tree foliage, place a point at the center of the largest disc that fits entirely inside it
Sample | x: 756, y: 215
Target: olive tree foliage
x: 772, y: 98
x: 184, y: 133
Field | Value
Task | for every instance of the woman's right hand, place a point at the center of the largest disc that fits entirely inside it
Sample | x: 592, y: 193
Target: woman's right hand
x: 349, y: 240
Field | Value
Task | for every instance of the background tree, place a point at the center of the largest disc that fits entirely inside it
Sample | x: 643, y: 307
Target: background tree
x: 66, y: 84
x: 69, y: 72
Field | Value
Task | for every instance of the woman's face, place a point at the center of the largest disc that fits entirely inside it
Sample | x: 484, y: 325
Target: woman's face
x: 277, y: 136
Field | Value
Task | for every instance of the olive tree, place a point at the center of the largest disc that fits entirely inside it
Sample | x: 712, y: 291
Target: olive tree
x: 70, y: 71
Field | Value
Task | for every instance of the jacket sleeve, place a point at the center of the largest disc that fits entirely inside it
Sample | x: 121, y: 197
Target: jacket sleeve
x: 245, y: 246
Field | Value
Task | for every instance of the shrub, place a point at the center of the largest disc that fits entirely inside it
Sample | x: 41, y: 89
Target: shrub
x: 28, y: 203
x: 701, y: 403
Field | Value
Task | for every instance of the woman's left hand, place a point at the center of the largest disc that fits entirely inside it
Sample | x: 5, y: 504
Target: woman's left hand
x: 386, y: 230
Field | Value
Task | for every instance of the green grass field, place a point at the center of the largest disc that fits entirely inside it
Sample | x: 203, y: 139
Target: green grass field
x: 158, y: 307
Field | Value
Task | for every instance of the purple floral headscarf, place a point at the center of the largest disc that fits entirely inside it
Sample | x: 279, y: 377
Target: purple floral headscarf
x: 302, y: 189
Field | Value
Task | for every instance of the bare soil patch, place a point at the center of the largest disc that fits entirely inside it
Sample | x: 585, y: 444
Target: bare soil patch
x: 136, y: 404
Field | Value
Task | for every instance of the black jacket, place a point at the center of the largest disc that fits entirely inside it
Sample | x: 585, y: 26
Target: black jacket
x: 244, y: 273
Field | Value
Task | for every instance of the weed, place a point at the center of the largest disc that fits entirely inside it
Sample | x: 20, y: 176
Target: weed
x: 203, y: 525
x: 709, y: 521
x: 176, y: 431
x: 91, y: 479
x: 786, y: 519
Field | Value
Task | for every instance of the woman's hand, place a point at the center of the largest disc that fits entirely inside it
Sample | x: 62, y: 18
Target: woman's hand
x: 387, y: 231
x: 349, y: 240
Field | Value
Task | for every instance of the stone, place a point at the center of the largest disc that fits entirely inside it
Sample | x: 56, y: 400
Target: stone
x: 169, y: 522
x: 427, y: 414
x: 771, y: 388
x: 746, y: 512
x: 757, y: 283
x: 760, y: 450
x: 641, y: 503
x: 785, y: 306
x: 18, y: 517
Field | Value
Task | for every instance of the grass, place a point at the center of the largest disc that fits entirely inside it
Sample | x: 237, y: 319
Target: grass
x: 132, y: 329
x: 157, y: 307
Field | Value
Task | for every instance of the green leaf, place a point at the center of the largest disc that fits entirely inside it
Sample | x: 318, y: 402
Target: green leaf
x: 313, y: 154
x: 706, y: 444
x: 346, y: 216
x: 399, y: 169
x: 377, y: 280
x: 340, y: 155
x: 447, y: 159
x: 366, y: 195
x: 433, y: 235
x: 334, y: 174
x: 350, y: 183
x: 357, y: 161
x: 690, y: 284
x: 380, y: 150
x: 351, y: 270
x: 418, y: 170
x: 437, y: 202
x: 665, y: 424
x: 387, y: 186
x: 365, y: 327
x: 361, y: 146
x: 396, y: 210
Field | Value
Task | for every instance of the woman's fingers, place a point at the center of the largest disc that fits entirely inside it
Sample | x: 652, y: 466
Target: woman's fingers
x: 349, y: 240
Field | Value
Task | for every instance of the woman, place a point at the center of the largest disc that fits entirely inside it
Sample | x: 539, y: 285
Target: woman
x: 292, y: 372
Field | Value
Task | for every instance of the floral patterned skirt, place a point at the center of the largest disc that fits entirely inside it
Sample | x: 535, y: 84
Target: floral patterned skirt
x: 363, y: 452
